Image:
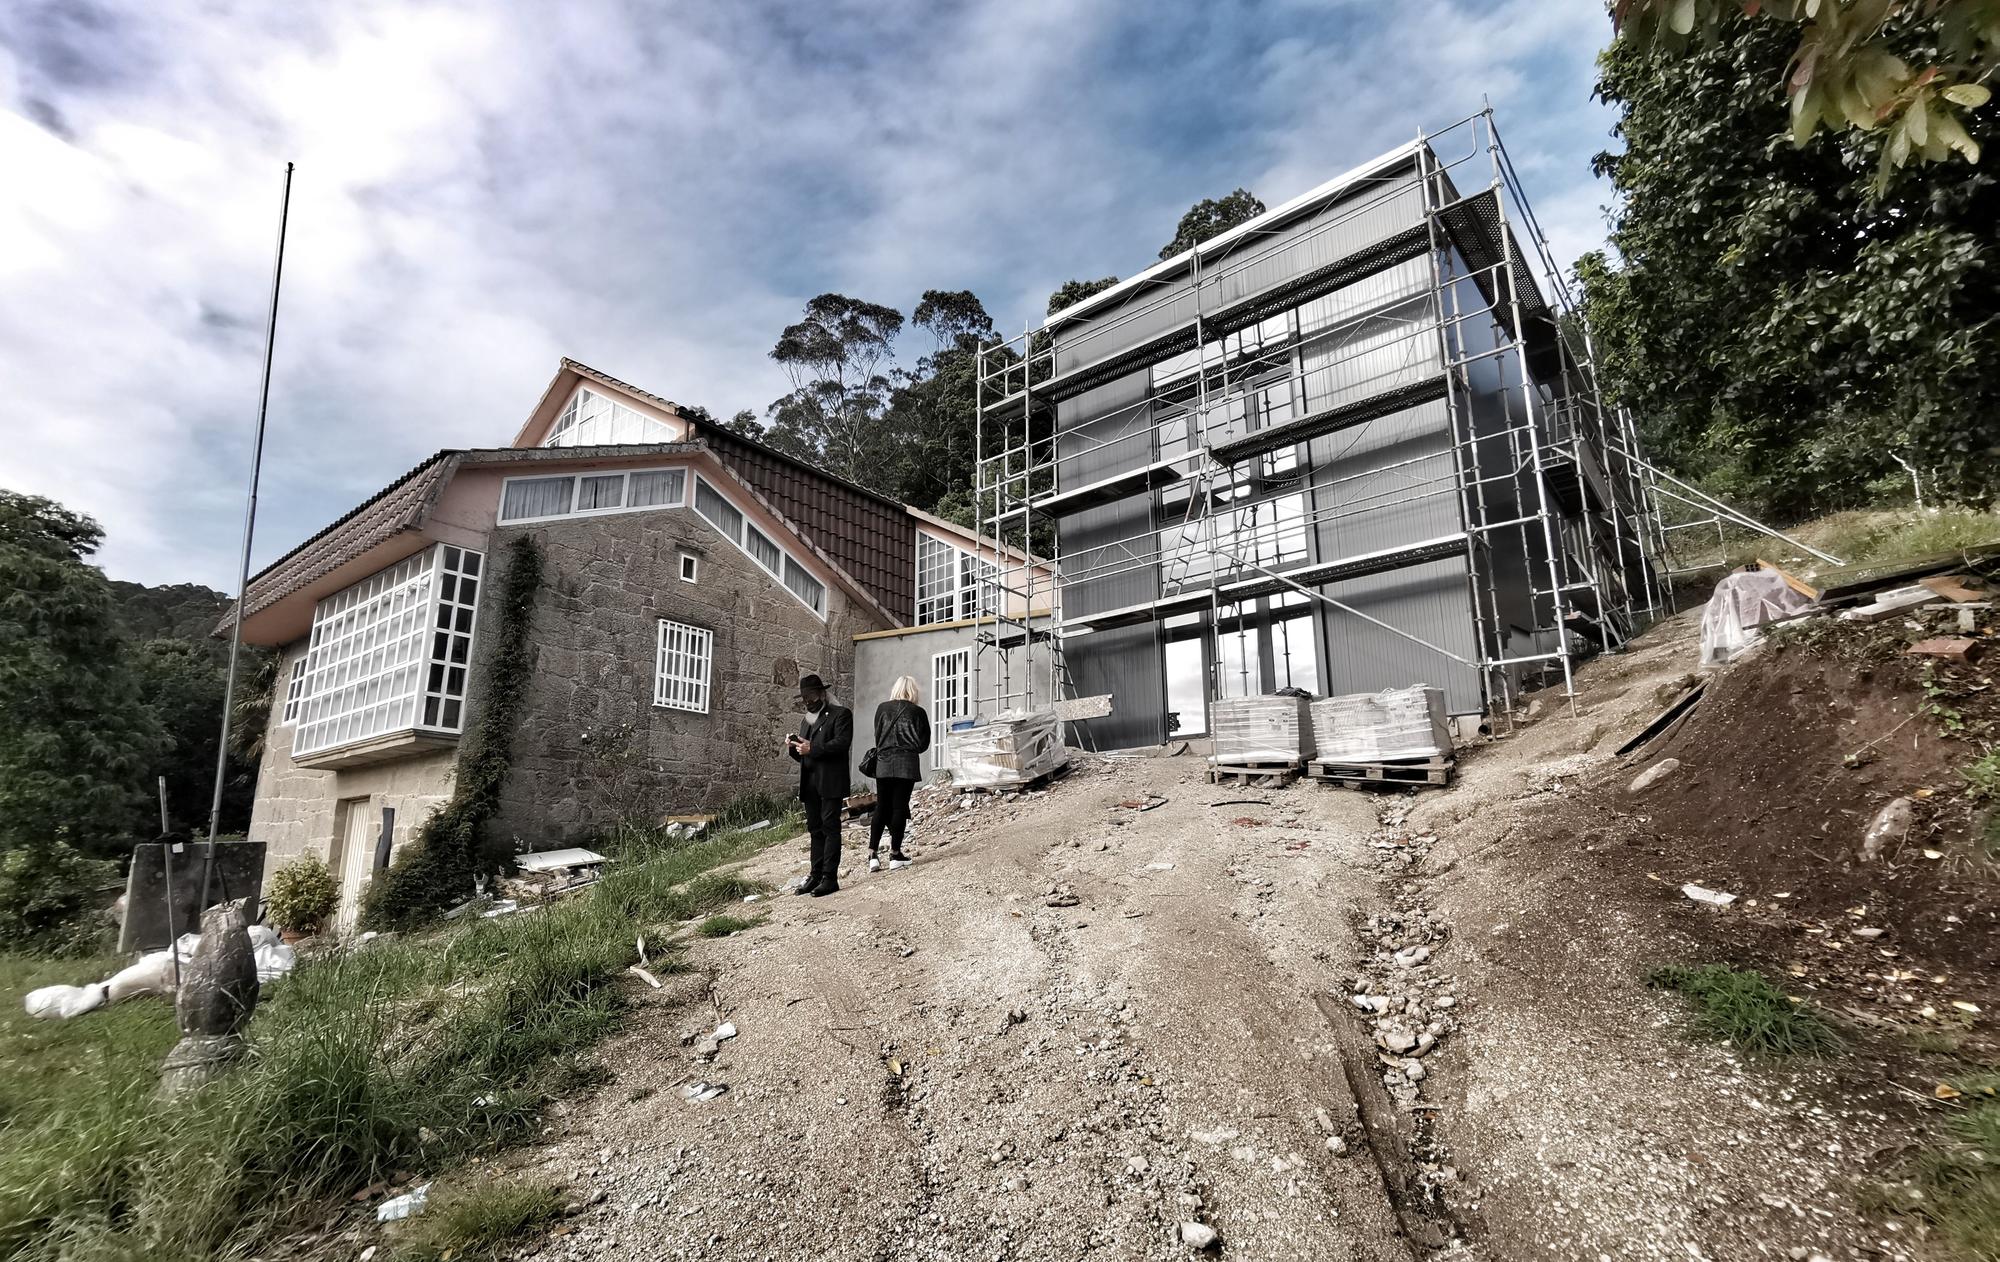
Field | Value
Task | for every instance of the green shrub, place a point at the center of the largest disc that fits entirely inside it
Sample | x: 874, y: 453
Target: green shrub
x: 1740, y: 1007
x: 752, y: 807
x: 724, y: 925
x: 49, y: 900
x: 302, y: 894
x: 466, y: 1221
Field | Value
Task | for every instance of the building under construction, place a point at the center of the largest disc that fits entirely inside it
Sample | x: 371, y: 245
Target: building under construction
x: 1354, y: 443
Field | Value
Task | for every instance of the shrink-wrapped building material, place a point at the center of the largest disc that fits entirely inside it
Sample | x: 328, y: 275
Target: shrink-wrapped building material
x: 1742, y: 603
x: 1261, y: 729
x: 1393, y: 725
x: 1010, y: 750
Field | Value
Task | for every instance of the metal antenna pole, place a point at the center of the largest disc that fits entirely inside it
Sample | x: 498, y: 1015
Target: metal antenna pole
x: 249, y: 529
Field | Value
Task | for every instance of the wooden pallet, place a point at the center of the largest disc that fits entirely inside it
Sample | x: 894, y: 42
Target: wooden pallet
x: 1247, y: 773
x: 1421, y: 772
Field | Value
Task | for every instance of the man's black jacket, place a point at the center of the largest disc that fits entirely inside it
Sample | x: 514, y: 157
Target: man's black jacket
x: 823, y: 773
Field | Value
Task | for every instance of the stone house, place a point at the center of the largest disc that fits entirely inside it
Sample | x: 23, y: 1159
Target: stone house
x: 690, y: 576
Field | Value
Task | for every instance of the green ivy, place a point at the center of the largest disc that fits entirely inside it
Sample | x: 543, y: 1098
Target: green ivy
x: 435, y: 870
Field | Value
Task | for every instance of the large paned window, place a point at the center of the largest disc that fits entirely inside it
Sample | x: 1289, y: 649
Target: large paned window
x: 592, y: 419
x: 539, y: 499
x: 295, y: 689
x: 391, y: 653
x: 729, y: 521
x: 681, y: 672
x: 953, y: 584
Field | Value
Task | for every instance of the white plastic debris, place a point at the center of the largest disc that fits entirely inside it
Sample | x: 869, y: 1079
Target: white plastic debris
x: 727, y: 1030
x: 1714, y: 898
x: 759, y: 826
x: 408, y: 1205
x: 60, y: 1003
x: 703, y: 1092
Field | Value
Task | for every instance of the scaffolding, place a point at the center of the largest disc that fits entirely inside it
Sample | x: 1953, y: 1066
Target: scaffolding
x: 1225, y: 392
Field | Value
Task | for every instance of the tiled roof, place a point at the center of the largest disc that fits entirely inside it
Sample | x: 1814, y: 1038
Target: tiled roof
x: 400, y: 506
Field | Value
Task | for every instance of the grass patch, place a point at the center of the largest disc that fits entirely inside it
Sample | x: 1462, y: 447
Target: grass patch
x: 464, y: 1222
x: 1740, y: 1007
x: 724, y: 925
x: 408, y: 1054
x: 1866, y: 535
x: 1955, y: 1184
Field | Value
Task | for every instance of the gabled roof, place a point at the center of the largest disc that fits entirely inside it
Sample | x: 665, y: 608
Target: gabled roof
x: 405, y: 505
x: 402, y: 505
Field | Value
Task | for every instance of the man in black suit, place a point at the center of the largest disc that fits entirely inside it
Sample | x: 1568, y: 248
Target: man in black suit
x: 820, y: 750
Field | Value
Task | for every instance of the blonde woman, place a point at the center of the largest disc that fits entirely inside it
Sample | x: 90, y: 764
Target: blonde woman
x: 902, y: 734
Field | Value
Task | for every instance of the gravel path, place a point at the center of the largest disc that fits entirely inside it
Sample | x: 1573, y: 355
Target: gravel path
x: 1077, y: 1029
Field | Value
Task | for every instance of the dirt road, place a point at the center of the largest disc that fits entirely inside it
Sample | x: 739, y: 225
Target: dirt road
x: 1074, y: 1026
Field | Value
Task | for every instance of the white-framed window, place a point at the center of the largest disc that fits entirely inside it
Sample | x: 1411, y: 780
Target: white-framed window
x: 594, y: 419
x: 953, y: 584
x: 690, y: 568
x: 543, y: 498
x: 729, y: 521
x: 680, y: 673
x: 390, y: 653
x: 951, y: 699
x: 295, y: 689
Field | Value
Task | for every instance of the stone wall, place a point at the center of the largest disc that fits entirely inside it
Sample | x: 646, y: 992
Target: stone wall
x: 594, y: 749
x: 296, y: 810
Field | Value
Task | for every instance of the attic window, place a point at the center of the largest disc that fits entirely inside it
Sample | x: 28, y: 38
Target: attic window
x: 690, y: 568
x: 593, y: 419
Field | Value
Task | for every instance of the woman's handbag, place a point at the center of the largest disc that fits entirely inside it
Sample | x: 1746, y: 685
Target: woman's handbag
x: 868, y: 763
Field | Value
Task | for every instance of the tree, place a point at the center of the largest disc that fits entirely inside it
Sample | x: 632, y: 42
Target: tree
x: 927, y: 446
x: 837, y: 359
x: 1211, y: 217
x: 745, y: 423
x: 75, y: 740
x: 1778, y: 322
x: 1071, y: 292
x: 182, y: 684
x: 1852, y: 66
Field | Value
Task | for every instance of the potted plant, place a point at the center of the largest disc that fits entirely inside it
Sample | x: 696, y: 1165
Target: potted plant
x: 300, y: 897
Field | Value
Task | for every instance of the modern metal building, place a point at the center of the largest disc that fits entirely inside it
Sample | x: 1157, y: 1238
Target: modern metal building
x: 1352, y: 444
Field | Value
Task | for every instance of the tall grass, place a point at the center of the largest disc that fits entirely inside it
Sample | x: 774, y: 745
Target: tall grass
x: 405, y: 1054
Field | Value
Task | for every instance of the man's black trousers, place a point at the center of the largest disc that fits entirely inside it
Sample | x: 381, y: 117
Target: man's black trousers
x: 823, y: 822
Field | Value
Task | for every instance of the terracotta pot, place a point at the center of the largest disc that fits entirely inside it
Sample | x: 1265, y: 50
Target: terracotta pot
x: 290, y: 936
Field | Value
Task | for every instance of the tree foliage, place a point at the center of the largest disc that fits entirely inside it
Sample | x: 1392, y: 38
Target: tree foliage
x: 1211, y: 217
x: 76, y: 742
x: 181, y: 682
x: 1777, y: 321
x: 837, y: 358
x: 1071, y: 292
x: 1853, y: 65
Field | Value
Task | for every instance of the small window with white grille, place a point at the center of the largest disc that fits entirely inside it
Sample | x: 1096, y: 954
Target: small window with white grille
x: 295, y: 690
x: 680, y: 677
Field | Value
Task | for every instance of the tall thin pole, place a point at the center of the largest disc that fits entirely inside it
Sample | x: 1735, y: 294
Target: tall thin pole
x: 249, y: 530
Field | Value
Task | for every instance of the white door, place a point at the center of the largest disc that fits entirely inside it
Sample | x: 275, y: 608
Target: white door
x: 951, y: 698
x: 357, y: 859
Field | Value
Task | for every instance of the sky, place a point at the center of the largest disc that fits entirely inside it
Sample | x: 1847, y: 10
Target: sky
x: 655, y: 189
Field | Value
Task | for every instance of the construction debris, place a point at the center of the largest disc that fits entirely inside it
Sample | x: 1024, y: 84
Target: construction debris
x: 1714, y: 898
x: 1957, y: 649
x: 1009, y: 752
x: 1741, y: 604
x: 1890, y: 603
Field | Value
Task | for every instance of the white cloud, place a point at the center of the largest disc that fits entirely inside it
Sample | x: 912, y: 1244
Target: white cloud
x: 654, y: 189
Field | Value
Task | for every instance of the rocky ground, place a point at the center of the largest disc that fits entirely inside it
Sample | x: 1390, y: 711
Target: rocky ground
x: 1140, y: 1016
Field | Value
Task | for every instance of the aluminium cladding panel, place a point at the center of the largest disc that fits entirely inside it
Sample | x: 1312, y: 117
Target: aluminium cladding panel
x: 1376, y: 210
x: 1103, y: 432
x: 1392, y: 482
x: 1430, y: 601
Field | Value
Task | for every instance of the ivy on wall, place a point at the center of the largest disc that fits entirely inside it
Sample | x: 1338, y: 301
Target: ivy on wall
x: 435, y: 870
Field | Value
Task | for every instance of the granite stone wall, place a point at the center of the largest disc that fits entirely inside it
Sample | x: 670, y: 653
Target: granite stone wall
x: 297, y: 809
x: 594, y: 748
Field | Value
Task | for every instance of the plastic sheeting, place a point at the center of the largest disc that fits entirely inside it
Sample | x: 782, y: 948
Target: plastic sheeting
x: 1261, y: 729
x: 153, y: 974
x: 1011, y: 750
x: 1743, y: 602
x: 1393, y: 725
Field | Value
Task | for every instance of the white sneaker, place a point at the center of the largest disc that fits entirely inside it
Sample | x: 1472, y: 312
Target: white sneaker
x: 899, y: 863
x: 875, y: 863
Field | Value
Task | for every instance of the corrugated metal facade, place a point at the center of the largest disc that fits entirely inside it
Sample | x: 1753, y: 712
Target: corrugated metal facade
x: 1387, y: 483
